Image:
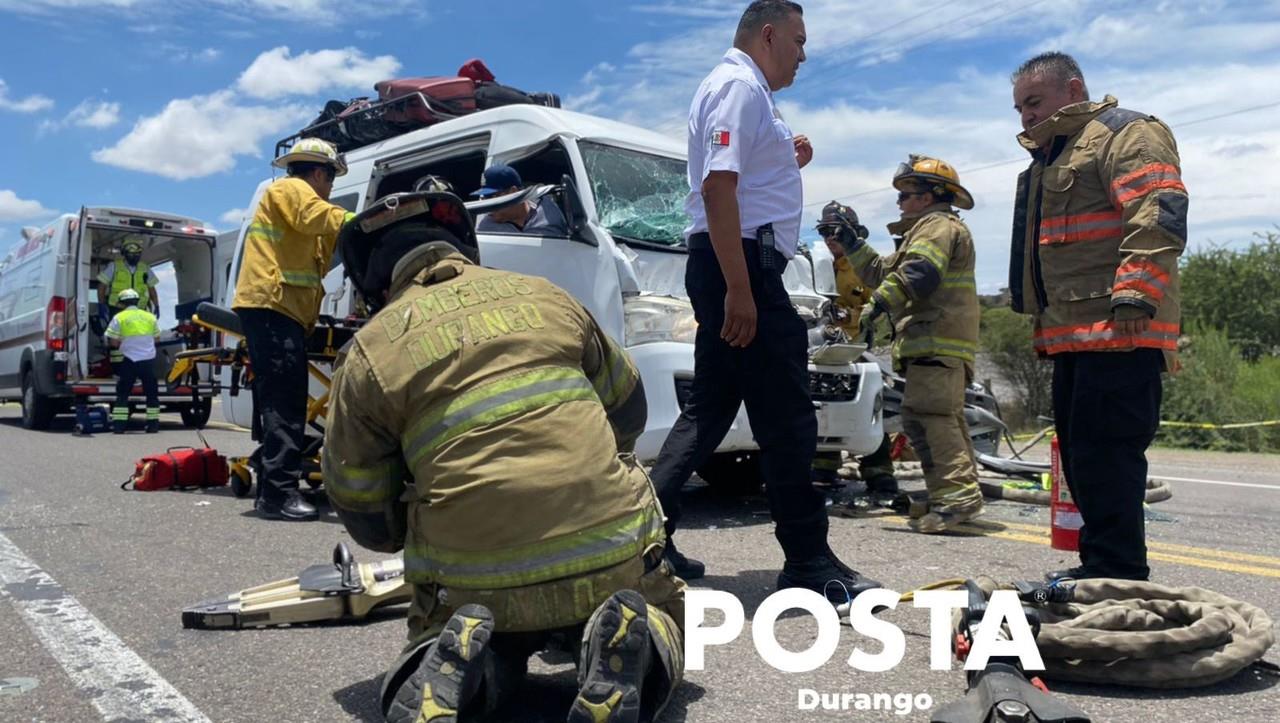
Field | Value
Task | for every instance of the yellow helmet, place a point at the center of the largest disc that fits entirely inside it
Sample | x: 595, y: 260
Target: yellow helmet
x: 132, y: 244
x: 313, y: 150
x: 936, y: 175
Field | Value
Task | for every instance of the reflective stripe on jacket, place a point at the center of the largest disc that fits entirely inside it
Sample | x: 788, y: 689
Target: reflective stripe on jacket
x: 287, y: 251
x: 1099, y: 223
x: 122, y: 279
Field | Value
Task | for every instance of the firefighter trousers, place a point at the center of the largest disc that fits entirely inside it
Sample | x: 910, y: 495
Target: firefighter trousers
x: 128, y: 372
x: 933, y: 419
x: 278, y: 353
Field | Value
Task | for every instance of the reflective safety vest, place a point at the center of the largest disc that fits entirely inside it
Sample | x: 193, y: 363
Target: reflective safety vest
x: 122, y: 278
x: 1099, y: 223
x: 287, y: 251
x: 927, y: 286
x: 137, y: 330
x: 478, y: 421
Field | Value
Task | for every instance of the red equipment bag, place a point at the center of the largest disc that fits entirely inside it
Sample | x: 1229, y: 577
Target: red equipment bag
x: 451, y: 96
x: 179, y: 467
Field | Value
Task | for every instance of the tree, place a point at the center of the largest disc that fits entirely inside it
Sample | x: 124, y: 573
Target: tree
x: 1238, y: 291
x: 1006, y: 337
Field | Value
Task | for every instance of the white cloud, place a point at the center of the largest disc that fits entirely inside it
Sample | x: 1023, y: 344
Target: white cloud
x: 319, y: 12
x: 13, y: 208
x: 30, y: 104
x: 234, y: 217
x: 199, y: 136
x: 97, y: 114
x: 276, y: 74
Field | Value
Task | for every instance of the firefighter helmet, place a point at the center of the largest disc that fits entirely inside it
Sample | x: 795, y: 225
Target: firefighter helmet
x: 131, y: 245
x: 313, y: 150
x: 128, y: 296
x: 934, y: 175
x: 836, y: 215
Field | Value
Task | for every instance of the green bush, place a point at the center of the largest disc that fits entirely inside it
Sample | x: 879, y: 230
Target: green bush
x: 1217, y: 386
x: 1006, y: 337
x: 1236, y: 290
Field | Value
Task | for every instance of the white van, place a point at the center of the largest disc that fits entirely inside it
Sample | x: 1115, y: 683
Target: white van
x: 622, y: 189
x: 52, y: 353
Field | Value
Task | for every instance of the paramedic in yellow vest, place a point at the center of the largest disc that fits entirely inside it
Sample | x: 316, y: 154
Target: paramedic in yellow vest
x: 127, y: 272
x: 875, y: 469
x: 484, y: 423
x: 926, y: 289
x: 288, y: 248
x: 133, y: 332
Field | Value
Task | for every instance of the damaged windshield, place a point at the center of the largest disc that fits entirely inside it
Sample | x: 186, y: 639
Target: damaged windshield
x: 638, y: 195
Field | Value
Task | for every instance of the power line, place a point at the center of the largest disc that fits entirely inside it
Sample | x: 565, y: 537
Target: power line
x: 997, y: 164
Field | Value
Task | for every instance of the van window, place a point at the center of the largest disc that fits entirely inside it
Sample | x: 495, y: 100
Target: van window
x: 463, y: 171
x: 639, y: 196
x: 347, y: 201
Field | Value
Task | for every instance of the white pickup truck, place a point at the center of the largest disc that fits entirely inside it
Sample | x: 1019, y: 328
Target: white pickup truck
x: 622, y: 189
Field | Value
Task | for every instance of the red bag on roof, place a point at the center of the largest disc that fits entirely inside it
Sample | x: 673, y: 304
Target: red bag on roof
x: 450, y: 96
x: 476, y: 70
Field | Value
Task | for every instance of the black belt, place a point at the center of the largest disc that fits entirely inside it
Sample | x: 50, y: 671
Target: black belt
x: 702, y: 241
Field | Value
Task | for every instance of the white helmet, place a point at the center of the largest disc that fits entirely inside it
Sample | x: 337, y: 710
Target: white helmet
x: 127, y: 295
x: 313, y: 150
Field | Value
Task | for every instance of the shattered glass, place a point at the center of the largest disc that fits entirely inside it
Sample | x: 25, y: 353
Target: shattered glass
x: 639, y: 196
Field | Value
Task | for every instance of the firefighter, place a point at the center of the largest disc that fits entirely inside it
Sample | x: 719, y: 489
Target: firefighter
x: 288, y: 248
x: 133, y: 333
x: 128, y: 271
x: 460, y: 371
x: 926, y: 289
x: 1100, y: 220
x: 875, y: 469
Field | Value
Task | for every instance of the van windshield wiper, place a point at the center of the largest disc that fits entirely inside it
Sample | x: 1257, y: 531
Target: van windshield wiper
x: 677, y: 247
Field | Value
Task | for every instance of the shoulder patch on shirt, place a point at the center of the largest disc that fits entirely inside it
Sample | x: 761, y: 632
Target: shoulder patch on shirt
x: 719, y: 138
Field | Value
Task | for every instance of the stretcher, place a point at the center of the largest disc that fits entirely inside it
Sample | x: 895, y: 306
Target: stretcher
x: 323, y: 345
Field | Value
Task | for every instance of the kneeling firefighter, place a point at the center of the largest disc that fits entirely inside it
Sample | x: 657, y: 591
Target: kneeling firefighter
x: 483, y: 422
x: 926, y: 288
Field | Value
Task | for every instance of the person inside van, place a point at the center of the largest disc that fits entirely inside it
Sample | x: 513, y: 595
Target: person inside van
x: 128, y: 271
x: 541, y: 216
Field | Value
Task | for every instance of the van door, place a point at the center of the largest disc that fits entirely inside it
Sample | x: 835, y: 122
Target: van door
x: 81, y: 275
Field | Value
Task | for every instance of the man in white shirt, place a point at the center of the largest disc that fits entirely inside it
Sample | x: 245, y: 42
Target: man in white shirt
x: 751, y: 347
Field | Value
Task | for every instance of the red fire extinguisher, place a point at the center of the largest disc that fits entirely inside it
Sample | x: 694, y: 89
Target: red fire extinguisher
x: 1064, y: 517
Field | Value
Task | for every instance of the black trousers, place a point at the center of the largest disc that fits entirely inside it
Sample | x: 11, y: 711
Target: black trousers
x: 1106, y: 408
x: 130, y: 372
x: 771, y: 377
x: 278, y: 353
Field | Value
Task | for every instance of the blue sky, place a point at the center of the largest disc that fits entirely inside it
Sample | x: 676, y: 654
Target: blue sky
x: 175, y: 105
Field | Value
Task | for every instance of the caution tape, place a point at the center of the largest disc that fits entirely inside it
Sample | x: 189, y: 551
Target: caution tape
x: 1206, y: 425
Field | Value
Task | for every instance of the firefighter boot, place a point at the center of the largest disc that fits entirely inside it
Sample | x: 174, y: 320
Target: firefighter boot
x: 449, y: 674
x: 614, y: 662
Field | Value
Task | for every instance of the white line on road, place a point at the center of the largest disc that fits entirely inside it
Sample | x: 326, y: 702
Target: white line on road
x: 1215, y: 482
x: 121, y: 685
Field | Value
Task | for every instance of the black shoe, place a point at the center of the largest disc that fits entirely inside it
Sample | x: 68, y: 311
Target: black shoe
x: 1082, y: 572
x: 450, y: 673
x: 684, y: 568
x: 153, y: 427
x: 615, y: 656
x: 884, y: 484
x: 827, y: 576
x: 294, y: 509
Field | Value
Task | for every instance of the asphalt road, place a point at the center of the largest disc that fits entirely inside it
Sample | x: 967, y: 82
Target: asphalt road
x: 94, y: 579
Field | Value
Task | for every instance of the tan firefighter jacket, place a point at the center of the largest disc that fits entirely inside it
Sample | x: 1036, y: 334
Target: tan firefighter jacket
x: 477, y: 421
x: 852, y: 294
x: 1099, y: 222
x: 287, y: 251
x: 926, y: 285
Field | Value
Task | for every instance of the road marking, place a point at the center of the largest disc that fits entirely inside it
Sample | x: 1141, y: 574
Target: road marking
x: 119, y: 683
x: 1198, y: 558
x: 1217, y: 482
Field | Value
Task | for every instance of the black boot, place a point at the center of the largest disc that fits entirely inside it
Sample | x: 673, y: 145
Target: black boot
x: 450, y: 673
x: 615, y: 660
x: 294, y: 508
x: 1083, y: 572
x: 684, y: 568
x: 828, y: 576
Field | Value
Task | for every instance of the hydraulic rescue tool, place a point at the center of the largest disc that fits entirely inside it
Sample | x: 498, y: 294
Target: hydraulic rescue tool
x: 1001, y: 691
x: 340, y: 590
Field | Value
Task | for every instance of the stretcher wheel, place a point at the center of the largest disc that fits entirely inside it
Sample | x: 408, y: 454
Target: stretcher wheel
x: 241, y: 482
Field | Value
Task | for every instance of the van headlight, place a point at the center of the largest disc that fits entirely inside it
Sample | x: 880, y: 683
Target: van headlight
x: 653, y: 319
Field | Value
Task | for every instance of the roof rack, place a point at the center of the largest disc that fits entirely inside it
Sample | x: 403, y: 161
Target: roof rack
x: 372, y: 112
